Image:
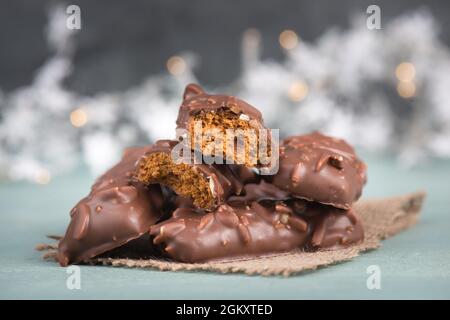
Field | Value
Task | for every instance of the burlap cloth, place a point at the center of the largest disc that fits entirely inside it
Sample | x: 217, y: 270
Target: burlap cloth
x: 382, y: 218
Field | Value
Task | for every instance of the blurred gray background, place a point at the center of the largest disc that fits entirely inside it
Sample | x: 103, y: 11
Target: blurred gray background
x: 122, y: 42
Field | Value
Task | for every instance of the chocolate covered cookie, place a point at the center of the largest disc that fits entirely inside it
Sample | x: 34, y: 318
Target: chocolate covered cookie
x: 206, y: 185
x: 320, y: 168
x: 259, y: 191
x: 337, y: 228
x: 224, y: 127
x: 116, y: 211
x: 193, y: 236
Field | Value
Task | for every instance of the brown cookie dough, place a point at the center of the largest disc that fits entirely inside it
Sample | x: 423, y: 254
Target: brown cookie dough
x: 206, y: 185
x: 216, y: 114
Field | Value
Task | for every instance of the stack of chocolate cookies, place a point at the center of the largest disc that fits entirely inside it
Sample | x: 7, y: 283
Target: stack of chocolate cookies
x: 194, y: 211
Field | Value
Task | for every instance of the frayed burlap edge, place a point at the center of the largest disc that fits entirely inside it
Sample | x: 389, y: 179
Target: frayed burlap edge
x: 382, y: 218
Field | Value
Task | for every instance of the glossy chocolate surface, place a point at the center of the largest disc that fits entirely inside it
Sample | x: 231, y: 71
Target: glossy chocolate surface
x: 116, y: 211
x: 192, y: 236
x: 196, y: 100
x: 259, y: 191
x: 319, y: 168
x: 336, y: 229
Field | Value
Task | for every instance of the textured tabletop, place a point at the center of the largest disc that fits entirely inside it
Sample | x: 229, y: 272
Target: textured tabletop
x: 413, y: 264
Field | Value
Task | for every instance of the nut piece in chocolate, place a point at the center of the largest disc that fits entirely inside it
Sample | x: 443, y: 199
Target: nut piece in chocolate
x: 337, y: 228
x: 193, y: 236
x: 116, y: 211
x: 206, y: 185
x: 224, y: 127
x: 320, y: 168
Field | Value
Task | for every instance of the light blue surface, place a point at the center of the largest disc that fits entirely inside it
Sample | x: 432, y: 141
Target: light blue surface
x: 414, y: 264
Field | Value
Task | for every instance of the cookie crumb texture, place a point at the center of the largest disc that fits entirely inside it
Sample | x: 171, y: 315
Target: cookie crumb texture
x: 183, y: 179
x: 214, y: 140
x: 217, y: 113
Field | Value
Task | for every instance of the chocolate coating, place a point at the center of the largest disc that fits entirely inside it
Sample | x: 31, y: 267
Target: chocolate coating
x: 116, y: 211
x: 196, y: 100
x: 224, y: 180
x: 337, y: 229
x: 191, y: 236
x: 258, y: 191
x: 319, y: 168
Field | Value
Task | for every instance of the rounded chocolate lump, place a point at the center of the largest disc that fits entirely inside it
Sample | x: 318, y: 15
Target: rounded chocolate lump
x: 116, y: 211
x: 320, y: 168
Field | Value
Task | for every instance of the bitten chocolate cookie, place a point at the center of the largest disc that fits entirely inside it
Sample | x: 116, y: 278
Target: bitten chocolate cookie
x: 192, y: 236
x: 337, y: 228
x: 116, y: 211
x: 319, y: 168
x: 215, y: 123
x: 207, y: 185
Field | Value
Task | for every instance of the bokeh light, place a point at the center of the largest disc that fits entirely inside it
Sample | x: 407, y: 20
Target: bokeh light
x: 405, y: 72
x: 78, y: 118
x: 176, y: 65
x: 298, y: 91
x: 288, y: 39
x: 406, y: 89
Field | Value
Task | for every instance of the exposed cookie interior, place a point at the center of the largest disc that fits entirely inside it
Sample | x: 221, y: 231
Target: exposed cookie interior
x: 221, y: 120
x: 183, y: 179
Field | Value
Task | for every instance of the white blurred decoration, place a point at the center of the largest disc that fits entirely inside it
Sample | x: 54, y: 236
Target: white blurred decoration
x: 379, y: 89
x: 345, y: 84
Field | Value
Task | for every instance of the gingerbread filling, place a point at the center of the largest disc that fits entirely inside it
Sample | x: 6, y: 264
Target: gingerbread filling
x: 244, y: 132
x: 181, y: 178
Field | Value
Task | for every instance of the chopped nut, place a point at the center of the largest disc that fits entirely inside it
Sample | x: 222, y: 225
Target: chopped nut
x: 244, y: 117
x: 284, y: 218
x: 337, y: 162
